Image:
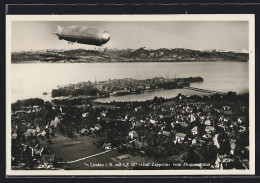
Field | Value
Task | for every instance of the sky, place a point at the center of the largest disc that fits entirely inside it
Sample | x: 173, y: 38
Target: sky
x: 196, y: 35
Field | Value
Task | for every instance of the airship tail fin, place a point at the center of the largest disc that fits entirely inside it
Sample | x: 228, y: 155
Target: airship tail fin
x: 59, y: 29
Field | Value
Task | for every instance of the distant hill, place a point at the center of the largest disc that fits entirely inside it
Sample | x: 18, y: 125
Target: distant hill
x: 128, y: 55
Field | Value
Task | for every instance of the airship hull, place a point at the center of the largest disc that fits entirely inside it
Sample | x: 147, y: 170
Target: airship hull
x: 83, y: 34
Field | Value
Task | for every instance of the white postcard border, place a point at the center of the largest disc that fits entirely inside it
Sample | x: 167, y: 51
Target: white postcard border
x: 188, y: 17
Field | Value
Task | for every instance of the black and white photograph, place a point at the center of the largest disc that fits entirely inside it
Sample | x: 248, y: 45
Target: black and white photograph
x: 130, y: 95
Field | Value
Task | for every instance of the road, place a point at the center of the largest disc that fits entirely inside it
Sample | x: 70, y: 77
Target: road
x: 86, y: 157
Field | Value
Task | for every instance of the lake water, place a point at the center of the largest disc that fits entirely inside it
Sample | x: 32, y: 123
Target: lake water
x: 31, y: 80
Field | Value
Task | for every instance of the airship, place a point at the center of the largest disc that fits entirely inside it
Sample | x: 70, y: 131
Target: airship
x: 90, y: 35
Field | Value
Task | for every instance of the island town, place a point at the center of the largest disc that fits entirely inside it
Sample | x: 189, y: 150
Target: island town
x: 117, y: 87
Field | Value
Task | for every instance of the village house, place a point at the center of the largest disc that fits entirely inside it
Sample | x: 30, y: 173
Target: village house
x: 152, y: 121
x: 29, y: 125
x: 55, y: 122
x: 232, y: 146
x: 133, y: 134
x: 233, y: 124
x: 47, y: 161
x: 132, y: 119
x: 225, y: 108
x: 92, y: 129
x: 179, y: 137
x: 138, y: 109
x: 35, y: 108
x: 107, y: 146
x: 242, y: 129
x: 228, y: 112
x: 85, y: 114
x: 207, y: 136
x: 202, y: 142
x: 207, y: 122
x: 83, y: 131
x: 38, y: 149
x: 163, y: 109
x: 223, y: 118
x: 202, y: 118
x: 50, y: 130
x: 98, y: 127
x: 161, y: 116
x: 166, y: 133
x: 38, y: 130
x: 194, y: 141
x: 14, y: 135
x: 172, y: 108
x: 194, y: 130
x: 183, y: 124
x: 172, y: 124
x: 104, y: 113
x: 136, y: 124
x: 241, y: 120
x: 222, y: 125
x: 223, y: 161
x: 209, y: 129
x: 43, y: 133
x: 30, y: 132
x: 192, y: 118
x: 189, y: 110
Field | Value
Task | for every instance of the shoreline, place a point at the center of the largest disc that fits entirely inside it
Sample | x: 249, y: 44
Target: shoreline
x: 128, y: 61
x: 92, y: 99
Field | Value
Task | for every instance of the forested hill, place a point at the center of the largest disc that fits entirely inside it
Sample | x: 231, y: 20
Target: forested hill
x: 128, y: 55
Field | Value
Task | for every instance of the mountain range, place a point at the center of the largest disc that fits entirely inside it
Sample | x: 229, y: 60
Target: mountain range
x: 128, y: 55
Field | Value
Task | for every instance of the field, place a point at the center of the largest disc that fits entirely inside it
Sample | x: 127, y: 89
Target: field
x: 84, y: 155
x: 71, y: 150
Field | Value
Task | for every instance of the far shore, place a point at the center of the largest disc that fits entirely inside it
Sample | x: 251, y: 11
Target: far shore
x: 130, y: 61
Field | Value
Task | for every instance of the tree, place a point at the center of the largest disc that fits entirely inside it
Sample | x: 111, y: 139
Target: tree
x: 225, y: 147
x: 242, y: 141
x: 210, y: 154
x: 192, y: 156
